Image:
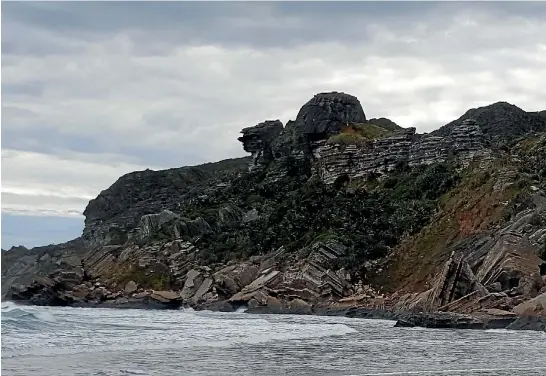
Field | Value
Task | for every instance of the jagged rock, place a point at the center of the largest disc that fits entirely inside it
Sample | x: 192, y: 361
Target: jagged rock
x: 252, y: 290
x: 202, y: 290
x: 232, y: 279
x: 454, y: 321
x: 133, y: 195
x: 385, y: 154
x: 257, y: 140
x: 20, y: 266
x: 502, y: 122
x: 537, y: 323
x: 316, y: 273
x: 194, y: 279
x: 456, y: 281
x: 130, y: 287
x: 512, y: 261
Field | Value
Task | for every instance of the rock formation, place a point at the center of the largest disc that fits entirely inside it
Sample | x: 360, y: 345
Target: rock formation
x: 332, y: 214
x: 329, y: 114
x: 257, y: 141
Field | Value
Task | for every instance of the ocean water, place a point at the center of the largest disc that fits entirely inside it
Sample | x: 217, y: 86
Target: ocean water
x: 79, y: 341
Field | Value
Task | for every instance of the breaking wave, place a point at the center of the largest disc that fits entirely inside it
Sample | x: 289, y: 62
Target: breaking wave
x: 14, y: 316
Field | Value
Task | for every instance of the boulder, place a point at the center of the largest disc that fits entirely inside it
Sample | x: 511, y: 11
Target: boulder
x: 194, y: 279
x: 202, y: 290
x: 232, y: 279
x: 299, y: 307
x: 130, y: 287
x: 532, y: 307
x: 166, y: 297
x: 266, y: 277
x: 151, y: 223
x: 324, y: 115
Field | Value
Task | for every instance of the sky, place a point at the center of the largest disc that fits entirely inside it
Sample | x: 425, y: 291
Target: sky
x: 93, y: 90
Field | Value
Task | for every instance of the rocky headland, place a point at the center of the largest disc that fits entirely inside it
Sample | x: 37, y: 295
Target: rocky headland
x: 332, y: 214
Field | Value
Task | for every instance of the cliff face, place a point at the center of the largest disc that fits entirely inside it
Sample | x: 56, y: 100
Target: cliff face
x: 112, y: 217
x: 331, y: 208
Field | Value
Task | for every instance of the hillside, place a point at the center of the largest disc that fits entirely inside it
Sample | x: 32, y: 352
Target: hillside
x: 330, y: 210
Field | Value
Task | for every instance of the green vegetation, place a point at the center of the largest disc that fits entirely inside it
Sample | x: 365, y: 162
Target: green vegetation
x: 294, y: 213
x: 346, y: 139
x: 359, y: 133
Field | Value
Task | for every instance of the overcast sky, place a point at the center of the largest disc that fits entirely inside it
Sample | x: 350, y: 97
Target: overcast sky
x: 93, y: 90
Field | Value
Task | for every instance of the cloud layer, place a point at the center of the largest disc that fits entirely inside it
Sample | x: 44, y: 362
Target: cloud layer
x: 94, y: 90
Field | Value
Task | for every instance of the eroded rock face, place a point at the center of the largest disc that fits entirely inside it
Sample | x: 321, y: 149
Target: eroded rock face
x: 513, y: 262
x: 326, y: 114
x: 257, y: 140
x: 113, y: 216
x: 455, y: 281
x: 379, y: 156
x: 502, y: 122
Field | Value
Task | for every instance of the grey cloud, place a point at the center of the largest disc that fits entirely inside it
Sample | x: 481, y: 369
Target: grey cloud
x: 172, y: 84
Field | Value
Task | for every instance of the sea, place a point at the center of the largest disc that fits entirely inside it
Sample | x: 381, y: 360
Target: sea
x: 53, y: 341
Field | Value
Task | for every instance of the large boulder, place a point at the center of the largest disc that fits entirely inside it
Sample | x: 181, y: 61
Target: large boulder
x: 532, y: 307
x: 232, y: 279
x: 324, y: 115
x: 130, y: 287
x: 151, y: 223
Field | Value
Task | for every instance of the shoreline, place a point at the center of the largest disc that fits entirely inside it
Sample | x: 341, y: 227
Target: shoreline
x: 428, y: 320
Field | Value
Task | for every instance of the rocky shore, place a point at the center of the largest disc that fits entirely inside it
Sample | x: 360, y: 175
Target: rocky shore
x: 332, y: 214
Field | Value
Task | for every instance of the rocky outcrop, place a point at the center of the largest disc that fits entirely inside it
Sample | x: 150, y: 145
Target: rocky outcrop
x: 513, y: 263
x: 21, y: 266
x: 501, y: 122
x: 456, y: 281
x: 301, y: 237
x: 257, y: 140
x: 316, y: 278
x: 112, y: 217
x: 379, y: 156
x: 456, y: 321
x: 323, y: 115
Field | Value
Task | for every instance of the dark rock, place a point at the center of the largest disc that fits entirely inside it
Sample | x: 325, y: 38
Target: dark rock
x: 452, y: 321
x: 218, y: 306
x: 529, y: 323
x: 258, y: 140
x: 502, y: 122
x: 300, y: 307
x: 120, y: 207
x: 324, y: 115
x: 385, y: 124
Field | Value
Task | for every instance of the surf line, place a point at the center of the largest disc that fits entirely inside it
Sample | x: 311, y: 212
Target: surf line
x: 448, y: 371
